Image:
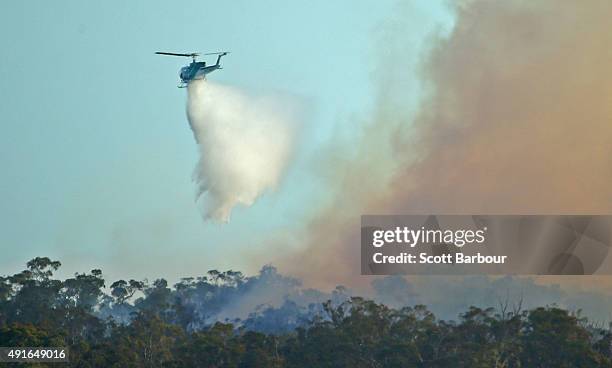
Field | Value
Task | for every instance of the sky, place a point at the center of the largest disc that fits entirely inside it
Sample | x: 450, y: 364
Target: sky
x: 96, y: 151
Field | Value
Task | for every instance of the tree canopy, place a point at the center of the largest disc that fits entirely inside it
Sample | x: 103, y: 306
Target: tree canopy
x: 140, y: 324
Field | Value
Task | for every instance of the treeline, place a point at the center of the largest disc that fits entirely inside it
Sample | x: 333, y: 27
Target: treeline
x: 138, y: 324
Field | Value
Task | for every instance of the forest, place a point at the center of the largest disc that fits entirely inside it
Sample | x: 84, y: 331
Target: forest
x: 137, y: 323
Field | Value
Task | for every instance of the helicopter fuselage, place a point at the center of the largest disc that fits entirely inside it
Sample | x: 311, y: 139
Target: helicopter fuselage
x: 196, y: 70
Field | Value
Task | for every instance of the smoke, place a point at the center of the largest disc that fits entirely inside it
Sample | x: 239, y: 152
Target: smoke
x: 244, y: 144
x: 449, y: 296
x: 516, y: 119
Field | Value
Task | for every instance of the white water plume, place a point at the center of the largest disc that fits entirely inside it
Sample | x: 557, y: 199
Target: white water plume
x: 245, y: 143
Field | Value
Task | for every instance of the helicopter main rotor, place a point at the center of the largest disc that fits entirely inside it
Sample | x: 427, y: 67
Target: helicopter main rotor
x: 192, y: 55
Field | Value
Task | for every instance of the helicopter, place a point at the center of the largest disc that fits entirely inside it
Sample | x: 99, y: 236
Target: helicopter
x: 196, y: 69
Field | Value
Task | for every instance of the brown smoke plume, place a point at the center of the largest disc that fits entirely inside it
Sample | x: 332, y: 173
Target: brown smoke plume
x: 517, y: 120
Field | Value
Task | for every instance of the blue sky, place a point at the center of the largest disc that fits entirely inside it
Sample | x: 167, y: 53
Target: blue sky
x: 96, y: 151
